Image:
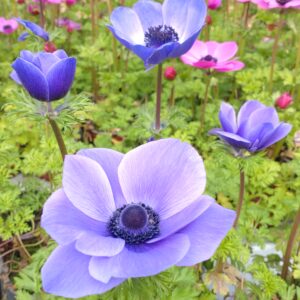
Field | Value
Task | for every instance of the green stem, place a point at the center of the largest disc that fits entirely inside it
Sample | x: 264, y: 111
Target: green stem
x: 42, y: 14
x: 241, y: 198
x: 296, y: 71
x: 158, y: 97
x: 114, y: 43
x: 202, y: 115
x: 290, y: 244
x: 275, y: 49
x: 172, y: 97
x: 247, y: 8
x: 57, y: 132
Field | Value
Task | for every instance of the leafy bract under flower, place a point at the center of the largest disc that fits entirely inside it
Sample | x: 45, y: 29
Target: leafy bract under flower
x: 255, y: 128
x: 46, y: 76
x: 119, y: 216
x: 155, y: 32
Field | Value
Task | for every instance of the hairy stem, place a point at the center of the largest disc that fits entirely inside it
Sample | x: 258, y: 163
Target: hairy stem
x: 158, y: 97
x: 203, y: 110
x: 42, y: 13
x: 241, y: 198
x: 289, y: 247
x: 275, y: 49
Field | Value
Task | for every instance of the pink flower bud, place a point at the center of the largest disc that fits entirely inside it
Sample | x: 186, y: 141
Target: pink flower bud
x: 50, y: 47
x: 208, y: 20
x: 170, y: 73
x: 284, y: 100
x: 20, y: 1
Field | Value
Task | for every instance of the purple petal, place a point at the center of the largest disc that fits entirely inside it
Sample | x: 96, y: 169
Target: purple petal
x: 228, y: 118
x: 45, y: 61
x: 64, y: 222
x: 247, y: 109
x: 86, y: 185
x: 231, y: 138
x: 27, y: 55
x: 60, y: 53
x: 141, y: 261
x: 126, y: 21
x: 259, y: 116
x: 34, y: 28
x: 141, y: 51
x: 14, y: 76
x: 23, y: 36
x: 66, y: 274
x: 183, y: 218
x: 206, y: 233
x: 60, y: 78
x: 96, y: 245
x: 167, y: 174
x: 149, y: 13
x: 186, y: 17
x: 109, y: 160
x: 32, y: 79
x: 161, y: 53
x: 279, y: 133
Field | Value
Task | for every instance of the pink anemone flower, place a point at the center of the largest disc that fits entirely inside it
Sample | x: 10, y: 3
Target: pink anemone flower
x: 281, y: 4
x: 214, y: 4
x: 8, y: 26
x: 213, y: 55
x: 68, y: 24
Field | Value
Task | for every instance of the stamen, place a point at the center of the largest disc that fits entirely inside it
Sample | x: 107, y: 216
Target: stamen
x: 7, y: 27
x: 283, y: 2
x: 209, y: 58
x: 135, y: 223
x: 157, y: 36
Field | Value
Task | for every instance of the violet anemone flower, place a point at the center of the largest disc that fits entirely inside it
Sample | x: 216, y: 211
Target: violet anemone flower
x: 213, y: 55
x: 8, y: 26
x: 214, y: 4
x: 155, y: 32
x: 135, y: 215
x: 280, y: 4
x: 34, y: 28
x: 46, y: 76
x: 255, y: 128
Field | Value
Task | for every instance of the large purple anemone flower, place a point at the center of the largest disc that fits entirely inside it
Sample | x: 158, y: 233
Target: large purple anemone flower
x: 155, y: 32
x: 255, y: 128
x: 119, y: 216
x: 46, y: 76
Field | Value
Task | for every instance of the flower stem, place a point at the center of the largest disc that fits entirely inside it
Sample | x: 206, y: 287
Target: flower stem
x: 57, y: 132
x: 172, y: 97
x: 241, y: 197
x: 114, y: 43
x: 247, y: 8
x: 275, y: 49
x: 290, y: 244
x: 42, y: 14
x: 202, y: 115
x: 158, y: 97
x: 296, y: 70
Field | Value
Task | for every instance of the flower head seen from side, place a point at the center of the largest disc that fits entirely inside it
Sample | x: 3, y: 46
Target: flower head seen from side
x: 279, y: 4
x: 123, y: 216
x: 155, y: 31
x: 214, y: 4
x: 255, y: 128
x: 8, y: 26
x: 46, y: 76
x: 214, y: 56
x: 34, y: 29
x: 284, y: 101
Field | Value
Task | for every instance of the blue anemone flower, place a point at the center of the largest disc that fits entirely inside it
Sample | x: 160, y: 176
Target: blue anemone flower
x: 34, y: 28
x: 46, y: 76
x: 255, y: 128
x: 155, y: 31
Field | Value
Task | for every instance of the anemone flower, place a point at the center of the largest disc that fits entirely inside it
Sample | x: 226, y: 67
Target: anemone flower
x: 155, y: 31
x: 123, y: 216
x: 214, y: 56
x: 46, y: 76
x: 214, y: 4
x: 34, y: 28
x: 8, y: 26
x: 68, y: 24
x: 284, y: 101
x: 280, y: 4
x: 255, y: 128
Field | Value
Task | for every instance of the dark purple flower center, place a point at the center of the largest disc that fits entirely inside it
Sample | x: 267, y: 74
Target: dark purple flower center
x: 157, y: 36
x: 209, y: 58
x: 7, y: 27
x: 135, y: 223
x: 283, y: 2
